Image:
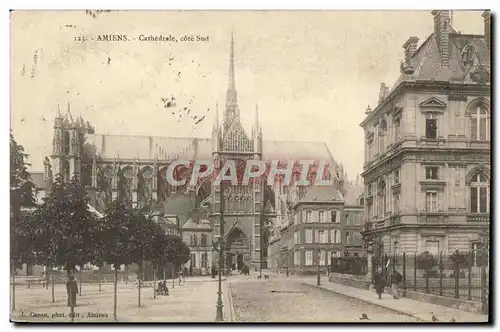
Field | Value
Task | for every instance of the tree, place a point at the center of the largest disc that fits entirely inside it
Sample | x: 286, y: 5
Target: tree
x: 116, y: 233
x: 159, y: 253
x: 426, y: 261
x: 144, y: 230
x: 61, y: 227
x: 179, y: 251
x: 21, y: 195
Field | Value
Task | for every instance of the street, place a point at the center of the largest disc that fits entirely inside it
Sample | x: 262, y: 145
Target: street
x: 287, y: 300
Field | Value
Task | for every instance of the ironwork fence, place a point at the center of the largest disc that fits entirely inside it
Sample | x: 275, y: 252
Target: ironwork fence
x: 349, y: 265
x: 461, y: 275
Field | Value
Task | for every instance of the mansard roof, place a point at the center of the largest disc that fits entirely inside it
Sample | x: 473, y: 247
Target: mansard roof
x: 322, y: 194
x: 427, y: 63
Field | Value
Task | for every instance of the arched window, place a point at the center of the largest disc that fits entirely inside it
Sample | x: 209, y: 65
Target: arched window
x: 66, y: 142
x: 479, y: 194
x: 469, y: 55
x: 381, y: 199
x: 479, y: 123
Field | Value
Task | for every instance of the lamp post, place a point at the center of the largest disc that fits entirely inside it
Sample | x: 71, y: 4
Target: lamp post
x: 219, y: 316
x: 318, y: 282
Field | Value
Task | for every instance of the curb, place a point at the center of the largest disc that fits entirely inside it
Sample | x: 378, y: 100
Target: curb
x: 368, y: 302
x: 232, y: 312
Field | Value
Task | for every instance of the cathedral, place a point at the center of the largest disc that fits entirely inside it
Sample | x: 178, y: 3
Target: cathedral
x: 133, y: 168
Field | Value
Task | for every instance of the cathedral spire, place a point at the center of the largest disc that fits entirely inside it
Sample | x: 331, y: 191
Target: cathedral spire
x: 255, y: 128
x: 216, y: 122
x: 231, y: 96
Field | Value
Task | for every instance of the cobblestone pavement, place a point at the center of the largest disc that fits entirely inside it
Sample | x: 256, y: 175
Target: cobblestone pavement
x: 193, y: 301
x: 287, y: 300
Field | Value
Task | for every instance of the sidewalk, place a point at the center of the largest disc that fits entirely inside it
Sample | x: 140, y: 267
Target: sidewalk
x: 423, y: 311
x: 194, y: 301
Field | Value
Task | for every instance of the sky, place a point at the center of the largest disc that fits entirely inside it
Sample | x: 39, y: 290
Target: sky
x: 311, y: 73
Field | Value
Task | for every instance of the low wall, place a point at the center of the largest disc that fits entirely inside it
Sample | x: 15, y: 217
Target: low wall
x: 350, y: 280
x: 363, y: 282
x: 450, y: 302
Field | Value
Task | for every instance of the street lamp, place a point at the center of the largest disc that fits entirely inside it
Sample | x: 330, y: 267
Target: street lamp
x: 219, y: 316
x: 318, y: 282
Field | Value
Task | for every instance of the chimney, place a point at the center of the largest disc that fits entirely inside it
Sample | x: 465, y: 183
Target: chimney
x: 384, y: 92
x: 442, y: 29
x: 410, y: 48
x: 487, y: 27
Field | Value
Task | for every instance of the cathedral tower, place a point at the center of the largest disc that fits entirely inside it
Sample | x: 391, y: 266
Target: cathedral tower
x: 67, y: 144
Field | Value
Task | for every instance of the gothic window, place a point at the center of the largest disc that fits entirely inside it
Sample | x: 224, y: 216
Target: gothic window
x: 66, y: 142
x: 66, y: 171
x: 479, y: 123
x: 382, y: 199
x: 479, y: 194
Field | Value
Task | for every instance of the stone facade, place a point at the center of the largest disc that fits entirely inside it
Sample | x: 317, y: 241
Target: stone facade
x: 427, y: 148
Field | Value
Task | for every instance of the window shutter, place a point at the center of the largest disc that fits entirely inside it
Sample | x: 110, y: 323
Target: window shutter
x: 338, y: 217
x: 303, y: 216
x: 328, y: 217
x: 338, y: 237
x: 314, y: 216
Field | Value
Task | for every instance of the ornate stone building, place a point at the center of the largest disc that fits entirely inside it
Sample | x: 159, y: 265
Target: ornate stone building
x: 133, y: 168
x: 427, y: 146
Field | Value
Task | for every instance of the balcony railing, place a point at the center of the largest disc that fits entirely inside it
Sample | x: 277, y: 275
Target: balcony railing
x: 481, y: 217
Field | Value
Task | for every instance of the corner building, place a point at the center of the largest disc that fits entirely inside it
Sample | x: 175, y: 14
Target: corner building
x: 427, y: 146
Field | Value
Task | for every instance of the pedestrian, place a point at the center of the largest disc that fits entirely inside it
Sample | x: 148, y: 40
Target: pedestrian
x: 395, y: 280
x: 191, y: 270
x: 72, y: 290
x: 379, y: 282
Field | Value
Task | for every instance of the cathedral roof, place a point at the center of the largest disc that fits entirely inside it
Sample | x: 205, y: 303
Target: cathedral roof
x: 165, y: 148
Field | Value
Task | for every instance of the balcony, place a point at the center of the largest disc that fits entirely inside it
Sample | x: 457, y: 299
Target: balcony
x: 479, y: 217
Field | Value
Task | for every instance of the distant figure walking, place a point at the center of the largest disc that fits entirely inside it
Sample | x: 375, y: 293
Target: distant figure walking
x: 396, y: 279
x: 379, y: 282
x: 72, y: 290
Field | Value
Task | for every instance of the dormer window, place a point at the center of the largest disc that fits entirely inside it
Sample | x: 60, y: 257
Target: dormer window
x: 468, y: 55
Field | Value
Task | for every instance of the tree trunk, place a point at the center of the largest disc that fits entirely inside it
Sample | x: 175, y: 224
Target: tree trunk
x: 173, y: 275
x: 139, y: 275
x: 47, y: 277
x: 164, y: 274
x: 154, y: 283
x: 114, y: 294
x: 99, y: 276
x: 13, y: 272
x: 52, y: 282
x: 81, y: 276
x: 126, y: 275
